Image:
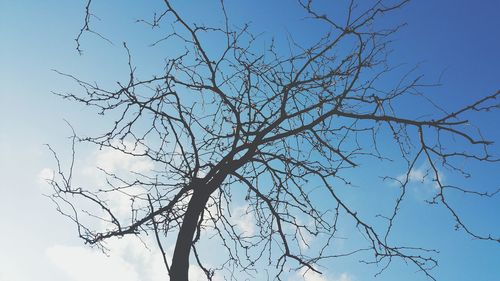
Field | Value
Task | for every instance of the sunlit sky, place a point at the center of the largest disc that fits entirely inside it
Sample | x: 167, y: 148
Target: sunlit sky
x: 454, y: 41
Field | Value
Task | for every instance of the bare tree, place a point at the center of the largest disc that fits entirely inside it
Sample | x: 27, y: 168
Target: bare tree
x: 275, y: 126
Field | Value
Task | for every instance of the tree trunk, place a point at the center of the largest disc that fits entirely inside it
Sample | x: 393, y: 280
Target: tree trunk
x: 180, y: 261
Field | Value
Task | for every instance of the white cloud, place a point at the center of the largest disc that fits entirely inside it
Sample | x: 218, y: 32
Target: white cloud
x: 415, y: 175
x: 45, y: 175
x: 245, y: 221
x: 121, y: 203
x: 423, y: 175
x: 113, y: 160
x: 345, y: 277
x: 129, y: 259
x: 116, y: 162
x: 121, y: 164
x: 83, y: 264
x: 312, y: 276
x: 308, y: 275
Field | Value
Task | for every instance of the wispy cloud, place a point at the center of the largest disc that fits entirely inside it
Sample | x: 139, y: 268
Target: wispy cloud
x: 245, y: 220
x: 345, y: 277
x: 83, y: 264
x: 422, y: 175
x: 113, y: 160
x: 309, y: 275
x: 415, y: 175
x: 43, y: 177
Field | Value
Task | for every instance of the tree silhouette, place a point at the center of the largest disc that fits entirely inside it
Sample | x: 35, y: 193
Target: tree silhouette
x: 275, y: 126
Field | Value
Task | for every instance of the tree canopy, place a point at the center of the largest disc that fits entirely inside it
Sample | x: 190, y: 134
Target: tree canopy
x: 281, y: 127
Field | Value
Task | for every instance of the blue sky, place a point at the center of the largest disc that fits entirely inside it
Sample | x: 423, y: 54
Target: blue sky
x: 455, y: 40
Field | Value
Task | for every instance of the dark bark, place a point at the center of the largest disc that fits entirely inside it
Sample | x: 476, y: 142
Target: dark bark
x: 180, y: 260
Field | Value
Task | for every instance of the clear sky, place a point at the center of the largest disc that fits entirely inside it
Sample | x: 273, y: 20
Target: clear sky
x: 456, y: 40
